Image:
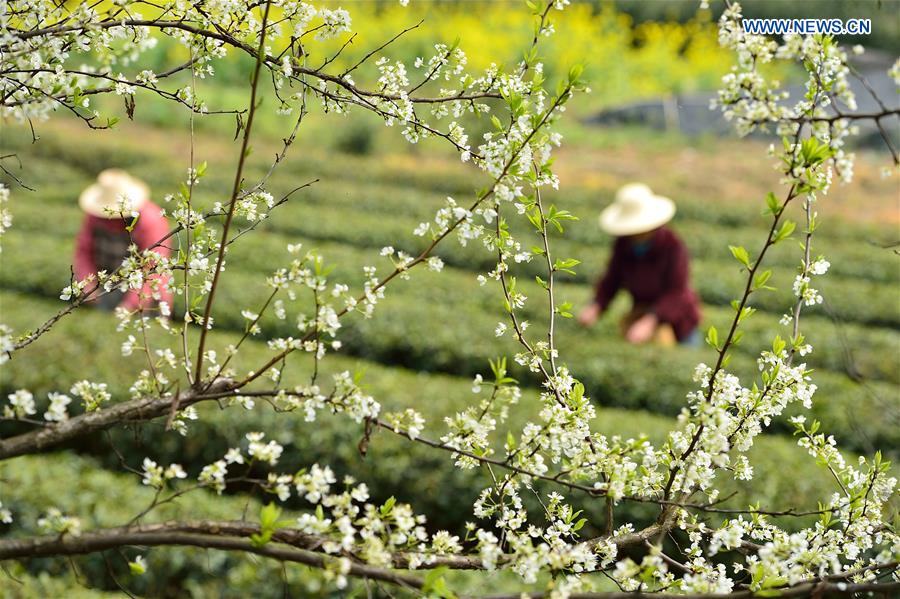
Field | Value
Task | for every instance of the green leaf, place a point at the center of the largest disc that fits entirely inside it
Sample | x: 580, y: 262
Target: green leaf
x: 534, y: 216
x: 786, y: 230
x: 258, y: 540
x: 435, y: 585
x: 712, y: 337
x: 499, y: 370
x: 575, y: 73
x: 760, y: 280
x: 388, y: 505
x: 772, y: 581
x: 778, y: 345
x: 746, y: 312
x: 198, y: 232
x: 773, y: 204
x: 740, y: 253
x: 560, y: 89
x: 136, y: 568
x: 566, y: 265
x: 576, y: 397
x: 130, y: 227
x: 268, y: 516
x: 516, y: 105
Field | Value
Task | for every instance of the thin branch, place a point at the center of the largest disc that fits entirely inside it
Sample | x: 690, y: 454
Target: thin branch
x: 378, y: 49
x: 238, y: 175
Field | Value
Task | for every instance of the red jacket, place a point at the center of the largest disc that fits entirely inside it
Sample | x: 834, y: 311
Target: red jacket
x: 657, y: 279
x: 100, y: 243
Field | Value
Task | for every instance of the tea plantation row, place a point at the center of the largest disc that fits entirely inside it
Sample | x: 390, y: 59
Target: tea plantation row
x: 393, y: 466
x: 404, y: 332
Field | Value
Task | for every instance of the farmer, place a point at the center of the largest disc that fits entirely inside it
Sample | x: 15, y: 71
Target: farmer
x: 651, y: 263
x: 111, y: 205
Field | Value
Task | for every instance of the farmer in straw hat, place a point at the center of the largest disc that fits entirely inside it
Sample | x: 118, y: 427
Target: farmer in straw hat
x: 651, y: 263
x: 111, y: 204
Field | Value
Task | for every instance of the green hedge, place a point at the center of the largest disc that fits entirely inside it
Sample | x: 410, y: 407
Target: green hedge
x: 404, y: 333
x: 393, y: 466
x: 856, y: 291
x: 862, y: 297
x: 864, y: 351
x: 377, y: 214
x: 846, y: 300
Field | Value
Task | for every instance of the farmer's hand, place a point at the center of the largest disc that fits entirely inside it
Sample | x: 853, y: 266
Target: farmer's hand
x: 643, y: 329
x: 588, y: 316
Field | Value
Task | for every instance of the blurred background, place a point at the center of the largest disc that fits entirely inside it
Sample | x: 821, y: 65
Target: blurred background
x: 652, y: 68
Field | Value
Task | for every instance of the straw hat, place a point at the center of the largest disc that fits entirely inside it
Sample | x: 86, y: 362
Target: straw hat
x: 111, y: 187
x: 636, y: 210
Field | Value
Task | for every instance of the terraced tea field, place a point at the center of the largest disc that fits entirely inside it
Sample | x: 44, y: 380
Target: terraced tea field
x: 433, y: 333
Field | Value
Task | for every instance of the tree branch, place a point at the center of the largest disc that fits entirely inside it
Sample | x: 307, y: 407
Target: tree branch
x: 144, y: 408
x: 205, y: 534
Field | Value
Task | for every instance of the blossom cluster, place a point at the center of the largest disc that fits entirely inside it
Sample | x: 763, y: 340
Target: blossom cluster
x: 156, y: 476
x: 752, y: 100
